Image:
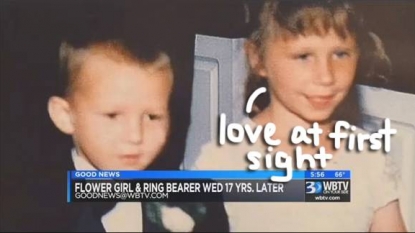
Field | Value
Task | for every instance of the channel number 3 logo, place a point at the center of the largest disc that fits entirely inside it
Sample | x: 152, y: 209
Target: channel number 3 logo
x: 313, y: 187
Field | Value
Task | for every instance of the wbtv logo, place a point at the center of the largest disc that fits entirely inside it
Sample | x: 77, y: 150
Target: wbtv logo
x: 327, y: 187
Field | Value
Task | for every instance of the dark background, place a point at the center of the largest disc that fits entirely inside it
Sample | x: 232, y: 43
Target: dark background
x: 32, y: 30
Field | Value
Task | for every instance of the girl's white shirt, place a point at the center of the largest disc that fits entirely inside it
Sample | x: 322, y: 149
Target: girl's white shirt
x: 373, y: 185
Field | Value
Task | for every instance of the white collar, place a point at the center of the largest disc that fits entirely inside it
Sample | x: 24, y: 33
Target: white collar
x: 80, y: 162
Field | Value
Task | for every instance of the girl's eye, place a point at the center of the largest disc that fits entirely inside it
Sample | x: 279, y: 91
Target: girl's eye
x: 341, y: 54
x: 303, y: 56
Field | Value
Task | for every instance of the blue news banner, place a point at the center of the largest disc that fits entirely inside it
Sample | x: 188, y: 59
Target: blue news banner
x: 208, y: 186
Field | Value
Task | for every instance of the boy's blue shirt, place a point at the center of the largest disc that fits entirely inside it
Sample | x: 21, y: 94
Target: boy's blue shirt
x: 151, y: 216
x: 45, y: 208
x: 124, y: 216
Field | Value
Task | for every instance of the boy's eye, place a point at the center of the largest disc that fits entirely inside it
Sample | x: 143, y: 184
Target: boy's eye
x: 112, y: 115
x: 154, y: 117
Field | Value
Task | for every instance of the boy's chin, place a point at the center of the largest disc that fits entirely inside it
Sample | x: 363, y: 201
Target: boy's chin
x: 131, y: 167
x: 122, y: 165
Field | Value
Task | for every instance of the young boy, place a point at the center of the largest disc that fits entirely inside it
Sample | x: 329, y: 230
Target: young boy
x: 116, y: 108
x: 116, y: 105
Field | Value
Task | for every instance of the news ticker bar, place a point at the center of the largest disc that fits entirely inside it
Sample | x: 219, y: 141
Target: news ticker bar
x: 207, y: 186
x: 222, y: 174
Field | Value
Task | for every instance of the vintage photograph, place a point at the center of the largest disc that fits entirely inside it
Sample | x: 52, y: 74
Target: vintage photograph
x: 308, y: 105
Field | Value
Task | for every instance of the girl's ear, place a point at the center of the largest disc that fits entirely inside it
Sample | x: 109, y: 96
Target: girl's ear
x: 254, y: 58
x: 60, y: 113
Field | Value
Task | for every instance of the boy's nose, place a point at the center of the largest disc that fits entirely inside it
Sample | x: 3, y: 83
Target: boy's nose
x: 135, y: 131
x: 325, y: 74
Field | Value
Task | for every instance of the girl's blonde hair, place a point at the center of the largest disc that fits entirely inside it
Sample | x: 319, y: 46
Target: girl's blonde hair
x: 287, y: 18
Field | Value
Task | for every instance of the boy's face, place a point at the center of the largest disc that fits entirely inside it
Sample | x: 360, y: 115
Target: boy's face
x: 119, y: 113
x: 309, y: 75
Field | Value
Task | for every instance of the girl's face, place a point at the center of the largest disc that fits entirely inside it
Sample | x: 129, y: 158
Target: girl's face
x: 309, y: 75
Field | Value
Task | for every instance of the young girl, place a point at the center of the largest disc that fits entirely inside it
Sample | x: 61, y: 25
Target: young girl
x: 308, y: 54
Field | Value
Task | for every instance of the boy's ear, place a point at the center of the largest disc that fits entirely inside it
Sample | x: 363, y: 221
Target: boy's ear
x: 254, y: 58
x: 60, y: 113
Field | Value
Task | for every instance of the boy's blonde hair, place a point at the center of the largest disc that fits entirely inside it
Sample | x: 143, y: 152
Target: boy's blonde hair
x: 286, y: 19
x: 71, y: 59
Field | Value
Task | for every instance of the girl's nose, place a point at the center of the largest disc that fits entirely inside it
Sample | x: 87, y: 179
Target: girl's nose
x: 325, y: 74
